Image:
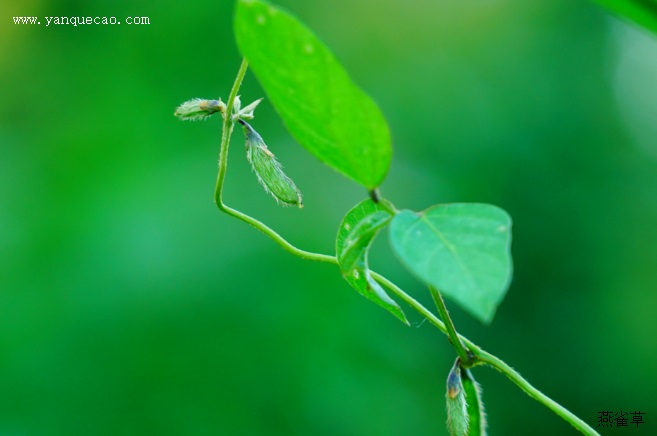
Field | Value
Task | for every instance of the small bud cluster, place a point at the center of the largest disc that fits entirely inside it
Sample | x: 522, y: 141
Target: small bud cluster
x: 199, y: 109
x: 267, y: 168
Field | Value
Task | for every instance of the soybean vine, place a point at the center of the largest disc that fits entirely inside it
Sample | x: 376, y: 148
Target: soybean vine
x: 461, y: 250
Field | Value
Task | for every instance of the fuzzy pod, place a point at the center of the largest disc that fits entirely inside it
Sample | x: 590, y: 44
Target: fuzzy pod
x: 199, y: 109
x: 268, y: 170
x: 457, y: 406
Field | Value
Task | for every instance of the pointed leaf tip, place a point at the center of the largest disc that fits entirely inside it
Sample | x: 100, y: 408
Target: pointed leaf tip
x: 461, y: 249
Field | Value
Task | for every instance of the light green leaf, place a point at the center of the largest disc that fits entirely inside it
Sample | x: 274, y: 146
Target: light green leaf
x: 355, y: 235
x: 326, y: 112
x: 643, y: 12
x: 461, y: 249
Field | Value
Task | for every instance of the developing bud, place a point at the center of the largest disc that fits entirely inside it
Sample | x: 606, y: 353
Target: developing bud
x: 237, y: 104
x: 457, y: 407
x: 245, y: 113
x: 269, y: 170
x: 199, y: 109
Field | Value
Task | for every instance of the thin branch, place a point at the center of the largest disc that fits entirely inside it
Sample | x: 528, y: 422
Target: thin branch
x: 466, y: 359
x: 530, y: 390
x: 226, y: 132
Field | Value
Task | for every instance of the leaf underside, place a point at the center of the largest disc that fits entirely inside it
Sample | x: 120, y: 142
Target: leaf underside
x: 461, y: 249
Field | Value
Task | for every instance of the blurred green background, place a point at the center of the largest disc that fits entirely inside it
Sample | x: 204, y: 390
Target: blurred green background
x: 130, y: 305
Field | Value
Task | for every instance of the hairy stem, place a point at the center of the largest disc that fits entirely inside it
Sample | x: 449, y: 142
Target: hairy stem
x: 480, y: 356
x: 226, y: 132
x: 530, y: 390
x: 426, y: 313
x: 278, y: 238
x: 466, y: 360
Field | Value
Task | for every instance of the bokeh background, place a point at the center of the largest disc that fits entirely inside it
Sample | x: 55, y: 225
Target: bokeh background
x: 130, y: 306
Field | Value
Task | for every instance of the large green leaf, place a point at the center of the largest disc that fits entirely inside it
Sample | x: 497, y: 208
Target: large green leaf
x: 321, y: 106
x: 352, y: 244
x: 643, y: 12
x: 461, y: 249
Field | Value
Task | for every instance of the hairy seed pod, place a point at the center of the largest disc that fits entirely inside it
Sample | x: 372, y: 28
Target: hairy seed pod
x: 457, y: 407
x: 199, y: 109
x: 269, y: 170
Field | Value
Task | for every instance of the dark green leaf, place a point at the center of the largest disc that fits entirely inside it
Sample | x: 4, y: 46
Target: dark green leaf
x: 321, y: 106
x: 643, y: 12
x: 461, y: 249
x: 355, y: 235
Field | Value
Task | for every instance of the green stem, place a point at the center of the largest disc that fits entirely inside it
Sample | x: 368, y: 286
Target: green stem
x: 278, y: 238
x: 480, y: 355
x: 426, y: 313
x: 530, y: 390
x: 226, y: 132
x: 466, y: 359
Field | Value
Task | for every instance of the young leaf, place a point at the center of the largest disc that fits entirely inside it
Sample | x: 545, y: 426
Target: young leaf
x: 326, y: 112
x: 643, y: 12
x: 476, y: 414
x: 355, y: 235
x: 461, y: 249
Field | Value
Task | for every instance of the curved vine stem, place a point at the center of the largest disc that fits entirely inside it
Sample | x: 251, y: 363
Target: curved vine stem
x: 226, y: 132
x: 480, y: 356
x: 530, y: 390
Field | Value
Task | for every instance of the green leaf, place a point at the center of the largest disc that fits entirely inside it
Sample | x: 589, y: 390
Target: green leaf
x: 476, y: 414
x: 326, y: 112
x: 355, y: 235
x: 461, y: 249
x: 643, y: 12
